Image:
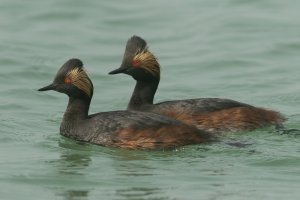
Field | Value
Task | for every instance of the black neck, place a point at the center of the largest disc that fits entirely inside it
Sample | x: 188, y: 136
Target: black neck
x: 77, y: 109
x: 143, y: 94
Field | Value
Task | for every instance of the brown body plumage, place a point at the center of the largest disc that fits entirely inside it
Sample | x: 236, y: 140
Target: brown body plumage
x: 210, y: 114
x: 230, y: 120
x: 125, y: 129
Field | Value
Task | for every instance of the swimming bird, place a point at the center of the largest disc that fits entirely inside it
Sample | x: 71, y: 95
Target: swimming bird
x: 124, y: 129
x: 214, y: 115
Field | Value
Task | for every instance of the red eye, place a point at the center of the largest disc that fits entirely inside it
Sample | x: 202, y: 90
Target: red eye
x: 136, y: 63
x: 67, y: 80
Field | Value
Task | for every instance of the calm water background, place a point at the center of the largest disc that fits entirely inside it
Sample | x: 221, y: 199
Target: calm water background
x: 243, y: 50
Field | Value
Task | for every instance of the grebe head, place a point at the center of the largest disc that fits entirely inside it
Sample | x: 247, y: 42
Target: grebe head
x: 138, y: 61
x: 72, y: 79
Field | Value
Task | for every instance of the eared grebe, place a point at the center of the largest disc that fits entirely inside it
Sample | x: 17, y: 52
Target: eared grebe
x: 128, y: 129
x: 211, y: 114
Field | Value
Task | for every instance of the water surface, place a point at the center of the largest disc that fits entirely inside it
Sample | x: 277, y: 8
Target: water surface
x: 243, y: 50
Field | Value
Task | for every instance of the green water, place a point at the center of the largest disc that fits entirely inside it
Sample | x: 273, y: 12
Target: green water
x: 243, y: 50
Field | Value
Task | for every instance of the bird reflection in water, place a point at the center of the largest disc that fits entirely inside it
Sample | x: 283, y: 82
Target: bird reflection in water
x: 71, y: 164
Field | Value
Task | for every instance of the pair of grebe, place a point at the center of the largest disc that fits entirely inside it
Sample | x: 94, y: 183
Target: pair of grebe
x: 145, y: 125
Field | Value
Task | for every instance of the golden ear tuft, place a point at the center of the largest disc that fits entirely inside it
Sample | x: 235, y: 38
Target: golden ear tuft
x: 148, y: 62
x: 79, y: 78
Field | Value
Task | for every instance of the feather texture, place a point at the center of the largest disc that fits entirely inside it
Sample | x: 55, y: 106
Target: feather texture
x: 148, y: 62
x: 79, y: 78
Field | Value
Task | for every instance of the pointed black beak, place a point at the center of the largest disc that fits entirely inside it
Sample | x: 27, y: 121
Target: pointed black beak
x: 118, y: 71
x: 48, y: 87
